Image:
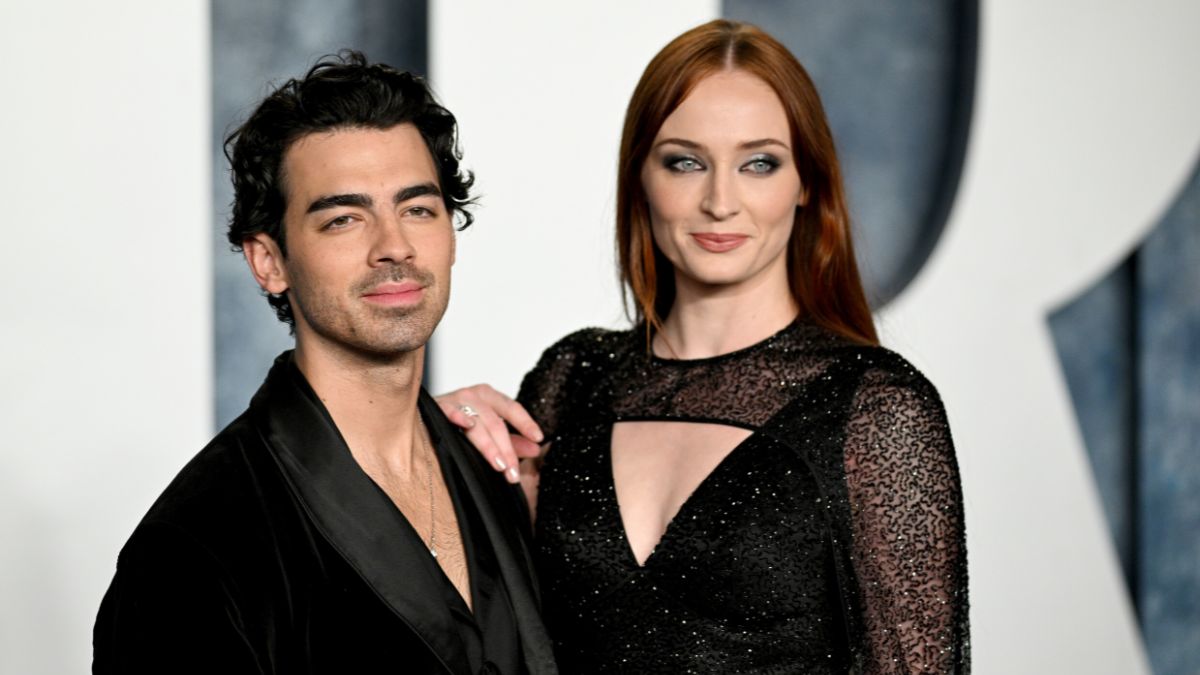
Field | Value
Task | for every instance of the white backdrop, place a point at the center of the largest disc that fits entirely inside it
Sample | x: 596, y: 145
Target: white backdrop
x: 105, y: 344
x: 1084, y: 128
x: 540, y: 96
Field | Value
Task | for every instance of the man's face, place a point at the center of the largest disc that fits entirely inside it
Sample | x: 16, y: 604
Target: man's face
x: 370, y: 241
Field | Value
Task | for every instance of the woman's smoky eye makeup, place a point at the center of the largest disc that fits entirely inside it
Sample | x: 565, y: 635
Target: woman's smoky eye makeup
x: 762, y: 164
x: 681, y: 163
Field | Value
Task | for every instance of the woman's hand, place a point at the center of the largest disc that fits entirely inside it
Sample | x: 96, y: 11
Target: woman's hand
x: 482, y: 413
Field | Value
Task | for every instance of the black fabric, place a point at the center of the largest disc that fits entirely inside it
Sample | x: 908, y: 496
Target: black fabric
x: 273, y: 552
x: 830, y: 540
x: 488, y: 632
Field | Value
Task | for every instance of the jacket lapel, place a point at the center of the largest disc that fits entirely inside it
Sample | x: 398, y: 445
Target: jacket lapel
x: 351, y: 511
x: 499, y: 506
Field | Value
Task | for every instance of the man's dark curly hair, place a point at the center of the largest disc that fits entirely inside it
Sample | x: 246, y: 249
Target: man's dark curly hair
x: 342, y: 91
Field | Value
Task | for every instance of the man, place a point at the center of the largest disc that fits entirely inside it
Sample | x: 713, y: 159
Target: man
x: 340, y: 524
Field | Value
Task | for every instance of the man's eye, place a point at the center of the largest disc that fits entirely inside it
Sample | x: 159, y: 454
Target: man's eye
x: 420, y: 211
x: 338, y: 223
x: 683, y: 164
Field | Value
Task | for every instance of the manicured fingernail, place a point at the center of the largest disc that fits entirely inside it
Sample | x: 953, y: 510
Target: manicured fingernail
x: 500, y: 463
x: 512, y: 475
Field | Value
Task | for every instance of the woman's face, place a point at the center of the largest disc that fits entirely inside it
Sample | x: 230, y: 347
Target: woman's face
x: 722, y: 185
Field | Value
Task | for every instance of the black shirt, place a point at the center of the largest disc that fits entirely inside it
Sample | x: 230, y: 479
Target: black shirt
x: 489, y: 633
x: 273, y: 552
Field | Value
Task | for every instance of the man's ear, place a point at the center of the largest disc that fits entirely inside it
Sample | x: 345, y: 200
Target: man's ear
x: 266, y: 263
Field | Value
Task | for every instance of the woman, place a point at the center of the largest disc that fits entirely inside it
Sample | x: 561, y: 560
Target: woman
x: 745, y: 482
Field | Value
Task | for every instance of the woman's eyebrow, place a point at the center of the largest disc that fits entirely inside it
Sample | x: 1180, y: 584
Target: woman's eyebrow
x: 680, y: 141
x: 762, y: 142
x: 745, y: 145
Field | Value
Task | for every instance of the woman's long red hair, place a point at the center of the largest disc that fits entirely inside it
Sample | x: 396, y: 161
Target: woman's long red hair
x: 822, y: 271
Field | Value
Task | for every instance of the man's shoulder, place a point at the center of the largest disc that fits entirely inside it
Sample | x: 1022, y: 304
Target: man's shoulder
x: 224, y: 490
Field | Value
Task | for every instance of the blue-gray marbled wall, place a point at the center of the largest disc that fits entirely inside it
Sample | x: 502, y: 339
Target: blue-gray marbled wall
x: 1095, y: 339
x: 1130, y: 348
x: 256, y: 43
x: 1168, y: 435
x: 897, y: 83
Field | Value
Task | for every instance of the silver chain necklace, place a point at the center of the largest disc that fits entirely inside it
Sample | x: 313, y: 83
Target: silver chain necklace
x: 429, y: 484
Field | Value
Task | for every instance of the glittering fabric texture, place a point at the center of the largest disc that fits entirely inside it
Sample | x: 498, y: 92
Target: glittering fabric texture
x: 829, y: 541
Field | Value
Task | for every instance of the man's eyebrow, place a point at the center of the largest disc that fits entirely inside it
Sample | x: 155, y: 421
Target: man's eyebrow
x: 334, y: 201
x: 365, y: 201
x: 414, y: 191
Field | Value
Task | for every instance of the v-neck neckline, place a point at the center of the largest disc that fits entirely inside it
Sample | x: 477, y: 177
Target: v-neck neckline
x: 688, y: 502
x: 454, y: 489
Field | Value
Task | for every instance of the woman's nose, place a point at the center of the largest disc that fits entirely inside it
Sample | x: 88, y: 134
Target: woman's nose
x: 721, y: 199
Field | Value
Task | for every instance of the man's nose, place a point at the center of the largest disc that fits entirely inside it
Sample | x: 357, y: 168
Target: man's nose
x: 390, y: 242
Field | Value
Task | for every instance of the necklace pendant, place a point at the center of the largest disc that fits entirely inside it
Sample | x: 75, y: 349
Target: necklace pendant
x: 433, y: 552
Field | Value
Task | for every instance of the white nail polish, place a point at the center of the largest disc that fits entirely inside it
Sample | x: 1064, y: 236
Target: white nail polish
x: 512, y: 474
x: 500, y: 464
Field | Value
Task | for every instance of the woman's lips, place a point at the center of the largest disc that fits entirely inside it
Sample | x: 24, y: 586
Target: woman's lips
x: 395, y: 294
x: 719, y: 243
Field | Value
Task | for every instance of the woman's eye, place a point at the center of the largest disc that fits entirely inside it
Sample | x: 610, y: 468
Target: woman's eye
x: 683, y: 164
x: 761, y: 165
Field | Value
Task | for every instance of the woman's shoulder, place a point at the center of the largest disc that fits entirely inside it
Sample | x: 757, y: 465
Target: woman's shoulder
x: 568, y: 370
x: 896, y: 418
x: 890, y: 388
x: 806, y: 343
x: 880, y: 372
x: 586, y: 349
x: 586, y: 345
x: 885, y: 366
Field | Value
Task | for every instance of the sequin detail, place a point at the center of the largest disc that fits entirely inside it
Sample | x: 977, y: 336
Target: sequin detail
x: 830, y: 540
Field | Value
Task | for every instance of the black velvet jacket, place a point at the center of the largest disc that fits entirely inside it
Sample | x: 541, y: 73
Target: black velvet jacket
x: 273, y: 552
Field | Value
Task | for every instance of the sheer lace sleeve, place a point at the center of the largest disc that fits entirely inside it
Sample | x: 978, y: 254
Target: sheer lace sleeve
x: 555, y: 382
x: 909, y: 550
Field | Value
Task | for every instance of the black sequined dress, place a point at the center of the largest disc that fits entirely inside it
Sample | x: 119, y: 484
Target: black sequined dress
x: 829, y: 541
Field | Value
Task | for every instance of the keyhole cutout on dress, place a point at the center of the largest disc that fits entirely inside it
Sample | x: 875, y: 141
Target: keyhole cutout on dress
x: 656, y: 467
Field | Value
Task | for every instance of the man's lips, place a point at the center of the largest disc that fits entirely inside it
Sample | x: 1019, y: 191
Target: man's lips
x: 395, y: 293
x: 718, y: 242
